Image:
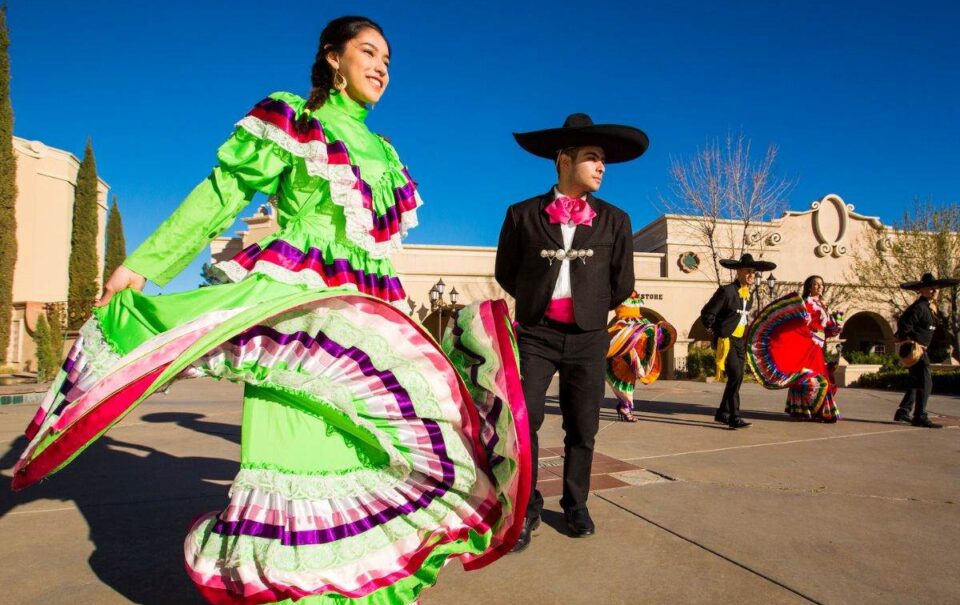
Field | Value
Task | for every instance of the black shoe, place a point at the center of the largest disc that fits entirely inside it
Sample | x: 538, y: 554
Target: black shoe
x: 901, y: 416
x: 579, y: 522
x: 738, y: 423
x: 526, y: 534
x: 722, y: 418
x: 926, y: 423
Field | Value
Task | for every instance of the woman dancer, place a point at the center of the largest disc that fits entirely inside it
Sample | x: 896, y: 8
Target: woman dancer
x: 787, y: 349
x: 636, y: 350
x: 366, y: 461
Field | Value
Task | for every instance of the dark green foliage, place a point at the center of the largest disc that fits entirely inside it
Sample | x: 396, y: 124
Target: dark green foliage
x: 41, y: 338
x: 701, y: 362
x: 889, y: 361
x: 116, y: 244
x: 8, y: 192
x: 206, y: 274
x: 55, y: 315
x: 84, y: 260
x: 945, y: 382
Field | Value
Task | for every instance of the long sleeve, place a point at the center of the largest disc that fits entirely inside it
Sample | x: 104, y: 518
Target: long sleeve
x: 505, y: 269
x: 906, y: 325
x: 247, y: 164
x: 621, y: 268
x: 708, y: 315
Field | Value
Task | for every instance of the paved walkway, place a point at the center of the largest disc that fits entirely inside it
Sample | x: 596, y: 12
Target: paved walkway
x: 864, y: 511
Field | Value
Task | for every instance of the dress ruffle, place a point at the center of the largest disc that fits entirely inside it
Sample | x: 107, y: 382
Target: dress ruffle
x: 377, y: 217
x: 783, y: 353
x: 295, y: 257
x: 635, y: 354
x: 442, y: 469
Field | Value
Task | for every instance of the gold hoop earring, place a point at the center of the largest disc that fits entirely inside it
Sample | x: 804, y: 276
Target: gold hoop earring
x: 339, y: 82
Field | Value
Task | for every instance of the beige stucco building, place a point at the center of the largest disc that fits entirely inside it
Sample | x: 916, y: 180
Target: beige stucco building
x: 672, y: 263
x: 46, y: 179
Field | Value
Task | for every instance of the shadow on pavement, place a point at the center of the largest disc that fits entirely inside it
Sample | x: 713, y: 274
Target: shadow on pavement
x: 138, y: 503
x: 193, y: 421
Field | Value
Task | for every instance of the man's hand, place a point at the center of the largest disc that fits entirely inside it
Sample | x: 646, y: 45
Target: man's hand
x: 121, y: 279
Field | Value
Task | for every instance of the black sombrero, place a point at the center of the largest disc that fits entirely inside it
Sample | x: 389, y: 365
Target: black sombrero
x: 619, y: 143
x: 746, y: 262
x: 927, y: 281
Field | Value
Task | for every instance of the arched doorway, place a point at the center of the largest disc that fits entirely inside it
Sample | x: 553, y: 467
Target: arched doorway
x: 698, y: 333
x: 867, y: 332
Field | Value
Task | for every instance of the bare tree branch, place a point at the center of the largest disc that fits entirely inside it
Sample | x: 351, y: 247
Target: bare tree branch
x: 925, y: 240
x: 723, y: 198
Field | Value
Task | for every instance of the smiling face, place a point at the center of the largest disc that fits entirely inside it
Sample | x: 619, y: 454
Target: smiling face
x: 746, y: 277
x: 582, y: 171
x: 816, y: 287
x: 364, y: 63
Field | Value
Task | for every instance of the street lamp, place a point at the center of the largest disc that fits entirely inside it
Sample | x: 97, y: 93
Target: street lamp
x: 771, y: 283
x: 440, y: 310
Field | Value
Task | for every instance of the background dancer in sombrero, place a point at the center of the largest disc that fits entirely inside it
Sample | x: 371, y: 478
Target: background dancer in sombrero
x: 915, y: 329
x: 566, y: 256
x: 726, y: 316
x: 636, y: 352
x: 366, y: 461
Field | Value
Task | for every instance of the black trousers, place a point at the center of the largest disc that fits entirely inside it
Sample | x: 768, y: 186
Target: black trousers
x: 733, y: 367
x: 579, y: 358
x: 918, y: 389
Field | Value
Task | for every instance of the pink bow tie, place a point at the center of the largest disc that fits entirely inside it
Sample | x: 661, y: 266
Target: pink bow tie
x: 566, y: 209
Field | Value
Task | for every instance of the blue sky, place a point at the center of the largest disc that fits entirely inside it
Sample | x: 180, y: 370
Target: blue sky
x: 860, y: 97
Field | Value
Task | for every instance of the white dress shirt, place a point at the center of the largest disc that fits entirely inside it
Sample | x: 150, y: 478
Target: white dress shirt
x: 562, y: 288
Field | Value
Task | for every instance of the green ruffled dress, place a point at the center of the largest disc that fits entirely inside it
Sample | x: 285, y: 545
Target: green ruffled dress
x: 369, y: 455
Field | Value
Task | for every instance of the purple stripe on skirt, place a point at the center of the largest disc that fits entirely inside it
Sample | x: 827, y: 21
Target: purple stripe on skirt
x: 389, y: 380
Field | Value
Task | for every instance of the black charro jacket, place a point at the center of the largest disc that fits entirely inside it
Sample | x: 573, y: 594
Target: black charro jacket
x: 720, y: 314
x: 598, y: 285
x: 917, y: 322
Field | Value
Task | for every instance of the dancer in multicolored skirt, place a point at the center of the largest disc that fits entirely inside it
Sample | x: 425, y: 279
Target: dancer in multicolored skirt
x: 786, y: 350
x: 366, y: 460
x: 636, y: 352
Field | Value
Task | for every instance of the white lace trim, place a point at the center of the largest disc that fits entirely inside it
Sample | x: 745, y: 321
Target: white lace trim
x: 253, y: 481
x: 232, y: 271
x: 98, y: 353
x: 343, y: 188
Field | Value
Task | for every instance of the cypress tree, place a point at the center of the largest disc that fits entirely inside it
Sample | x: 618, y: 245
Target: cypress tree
x: 55, y: 323
x: 116, y: 245
x: 41, y: 338
x: 84, y: 260
x: 8, y: 192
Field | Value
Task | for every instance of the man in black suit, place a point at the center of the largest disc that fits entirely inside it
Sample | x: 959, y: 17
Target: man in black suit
x: 566, y: 256
x: 914, y: 332
x: 726, y: 316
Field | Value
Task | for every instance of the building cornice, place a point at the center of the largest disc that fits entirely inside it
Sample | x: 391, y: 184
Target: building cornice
x: 38, y: 150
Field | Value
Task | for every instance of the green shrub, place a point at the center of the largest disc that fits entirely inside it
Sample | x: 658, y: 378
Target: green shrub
x: 945, y: 382
x: 889, y: 361
x: 701, y: 362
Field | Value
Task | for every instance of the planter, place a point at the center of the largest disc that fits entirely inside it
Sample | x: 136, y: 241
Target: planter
x: 846, y: 375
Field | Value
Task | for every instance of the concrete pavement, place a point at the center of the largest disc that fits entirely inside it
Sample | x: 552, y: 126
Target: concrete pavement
x: 784, y: 512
